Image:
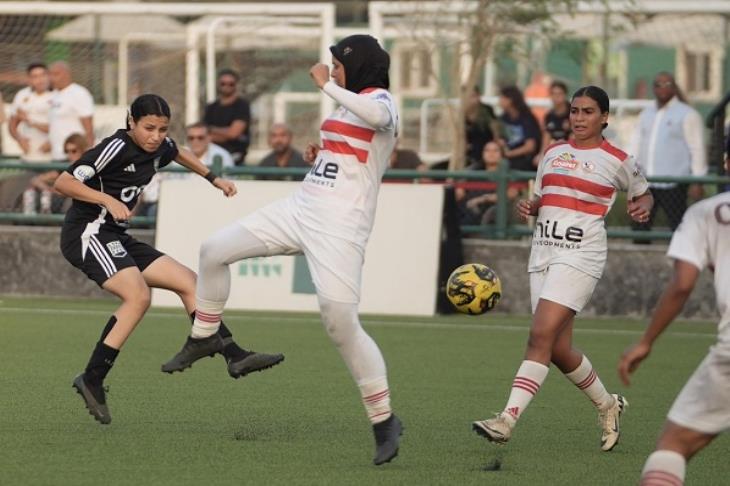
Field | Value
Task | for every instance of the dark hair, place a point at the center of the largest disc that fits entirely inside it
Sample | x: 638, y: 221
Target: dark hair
x: 560, y: 85
x: 515, y: 96
x: 228, y: 72
x: 35, y: 65
x: 148, y: 104
x: 596, y: 94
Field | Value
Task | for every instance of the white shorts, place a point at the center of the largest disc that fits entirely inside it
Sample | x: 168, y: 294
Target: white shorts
x: 562, y: 284
x: 704, y: 402
x: 335, y: 263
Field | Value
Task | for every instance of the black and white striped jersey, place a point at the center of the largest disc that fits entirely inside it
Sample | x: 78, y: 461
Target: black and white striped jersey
x: 119, y: 167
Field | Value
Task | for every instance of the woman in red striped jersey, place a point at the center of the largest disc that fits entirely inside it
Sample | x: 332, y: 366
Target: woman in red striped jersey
x: 575, y: 187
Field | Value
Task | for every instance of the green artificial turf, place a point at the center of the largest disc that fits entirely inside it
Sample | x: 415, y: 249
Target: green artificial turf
x: 302, y: 422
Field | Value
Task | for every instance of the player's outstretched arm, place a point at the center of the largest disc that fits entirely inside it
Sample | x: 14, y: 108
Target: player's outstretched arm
x: 187, y: 159
x: 69, y: 186
x: 670, y: 305
x: 370, y: 111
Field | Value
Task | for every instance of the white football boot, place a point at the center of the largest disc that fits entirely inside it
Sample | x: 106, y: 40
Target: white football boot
x: 609, y: 420
x: 497, y: 429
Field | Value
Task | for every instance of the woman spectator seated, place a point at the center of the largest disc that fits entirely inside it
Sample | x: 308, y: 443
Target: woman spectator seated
x: 477, y: 200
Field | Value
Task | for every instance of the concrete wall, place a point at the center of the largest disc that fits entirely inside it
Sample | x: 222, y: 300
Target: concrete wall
x: 632, y: 282
x: 32, y: 264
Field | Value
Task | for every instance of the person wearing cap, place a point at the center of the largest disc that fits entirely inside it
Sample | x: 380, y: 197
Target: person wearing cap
x: 328, y: 219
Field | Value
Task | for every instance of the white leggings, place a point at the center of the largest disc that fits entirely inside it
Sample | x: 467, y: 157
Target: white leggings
x: 341, y: 321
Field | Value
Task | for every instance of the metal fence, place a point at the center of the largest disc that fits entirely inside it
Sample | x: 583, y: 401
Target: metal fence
x: 503, y: 224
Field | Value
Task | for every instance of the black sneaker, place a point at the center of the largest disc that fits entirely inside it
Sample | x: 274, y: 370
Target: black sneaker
x: 94, y: 398
x: 192, y: 351
x: 252, y: 361
x: 387, y: 439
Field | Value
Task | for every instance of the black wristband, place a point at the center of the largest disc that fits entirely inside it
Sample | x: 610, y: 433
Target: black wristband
x: 210, y: 177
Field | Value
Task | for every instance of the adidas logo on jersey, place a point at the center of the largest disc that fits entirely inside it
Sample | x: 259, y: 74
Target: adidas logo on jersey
x: 130, y: 168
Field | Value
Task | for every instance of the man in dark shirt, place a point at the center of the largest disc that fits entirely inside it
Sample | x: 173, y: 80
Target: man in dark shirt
x: 228, y: 118
x: 282, y: 154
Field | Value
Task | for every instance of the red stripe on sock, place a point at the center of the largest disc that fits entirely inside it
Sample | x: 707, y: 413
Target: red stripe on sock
x: 379, y: 414
x: 588, y: 381
x: 530, y: 390
x: 209, y: 318
x: 528, y: 380
x: 377, y: 396
x: 660, y: 478
x: 530, y: 385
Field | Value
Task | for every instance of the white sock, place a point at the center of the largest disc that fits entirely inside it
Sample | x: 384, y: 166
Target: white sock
x: 586, y: 379
x: 226, y: 246
x: 527, y: 382
x: 376, y: 398
x: 664, y: 468
x: 208, y: 317
x: 361, y: 355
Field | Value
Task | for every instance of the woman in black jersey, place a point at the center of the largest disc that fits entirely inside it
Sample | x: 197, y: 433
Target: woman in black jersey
x: 105, y: 184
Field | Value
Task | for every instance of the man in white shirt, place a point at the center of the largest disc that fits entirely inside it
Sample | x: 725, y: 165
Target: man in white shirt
x: 669, y: 141
x: 199, y: 142
x: 72, y: 109
x: 29, y: 115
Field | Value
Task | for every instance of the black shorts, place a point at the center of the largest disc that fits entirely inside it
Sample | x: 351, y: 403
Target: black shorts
x: 100, y: 252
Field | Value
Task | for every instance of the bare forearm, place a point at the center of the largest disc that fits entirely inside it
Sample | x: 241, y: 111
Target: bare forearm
x: 69, y: 186
x: 670, y: 305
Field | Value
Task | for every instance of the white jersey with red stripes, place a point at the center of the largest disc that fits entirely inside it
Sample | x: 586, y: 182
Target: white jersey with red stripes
x: 703, y: 239
x: 339, y: 195
x: 577, y: 188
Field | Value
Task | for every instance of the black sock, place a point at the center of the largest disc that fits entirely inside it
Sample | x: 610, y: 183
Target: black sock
x: 108, y: 328
x: 101, y: 361
x: 231, y: 350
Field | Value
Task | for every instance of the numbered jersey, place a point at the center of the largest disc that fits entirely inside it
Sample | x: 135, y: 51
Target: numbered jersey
x: 577, y: 188
x: 119, y: 167
x: 340, y: 194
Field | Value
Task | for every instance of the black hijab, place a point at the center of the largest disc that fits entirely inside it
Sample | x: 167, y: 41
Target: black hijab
x: 366, y: 63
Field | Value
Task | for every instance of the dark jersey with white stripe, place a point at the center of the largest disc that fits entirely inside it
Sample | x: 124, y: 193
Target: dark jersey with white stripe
x: 119, y: 167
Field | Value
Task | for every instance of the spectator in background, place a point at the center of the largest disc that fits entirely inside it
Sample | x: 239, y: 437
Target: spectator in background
x: 405, y: 159
x: 669, y: 141
x: 72, y: 110
x: 557, y: 120
x: 477, y: 199
x: 522, y: 130
x: 229, y: 117
x: 29, y: 115
x: 481, y: 125
x: 282, y: 153
x: 74, y: 145
x: 199, y: 143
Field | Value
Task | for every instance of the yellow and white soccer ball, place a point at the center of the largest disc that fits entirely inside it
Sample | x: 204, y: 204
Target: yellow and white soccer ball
x: 473, y: 288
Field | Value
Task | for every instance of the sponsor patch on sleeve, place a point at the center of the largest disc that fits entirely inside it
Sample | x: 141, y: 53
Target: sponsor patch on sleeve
x: 84, y: 172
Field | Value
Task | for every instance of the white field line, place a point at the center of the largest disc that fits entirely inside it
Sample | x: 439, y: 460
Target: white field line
x: 368, y: 322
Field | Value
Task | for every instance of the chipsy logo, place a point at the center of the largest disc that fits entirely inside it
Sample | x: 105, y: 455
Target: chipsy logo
x: 565, y: 161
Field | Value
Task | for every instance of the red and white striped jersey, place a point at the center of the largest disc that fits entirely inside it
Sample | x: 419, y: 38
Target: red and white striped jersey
x: 577, y: 188
x: 703, y: 239
x: 339, y: 195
